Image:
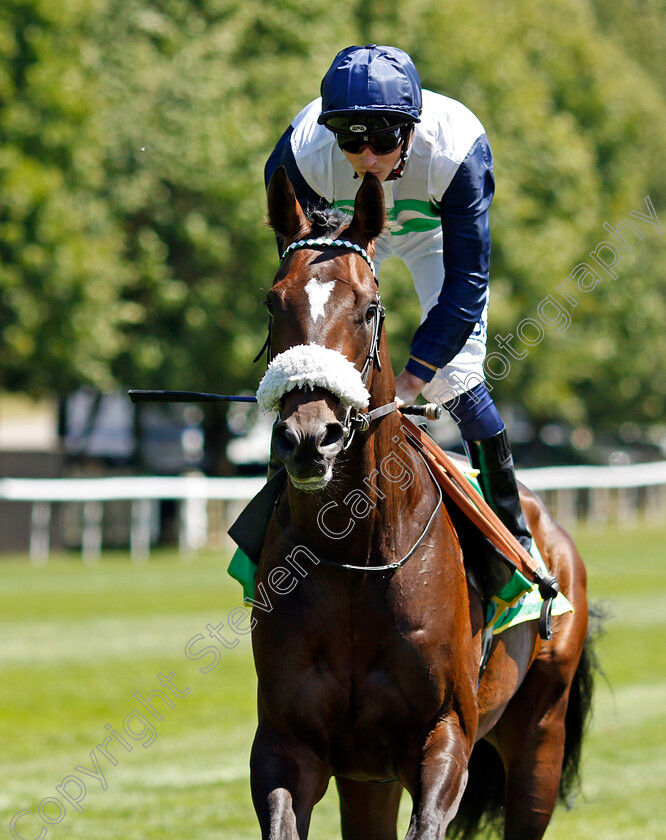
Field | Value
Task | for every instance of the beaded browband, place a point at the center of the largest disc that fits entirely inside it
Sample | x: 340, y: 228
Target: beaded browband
x: 333, y: 243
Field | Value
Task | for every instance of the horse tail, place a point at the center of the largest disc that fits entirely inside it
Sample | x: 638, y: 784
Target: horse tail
x: 482, y: 805
x: 579, y: 708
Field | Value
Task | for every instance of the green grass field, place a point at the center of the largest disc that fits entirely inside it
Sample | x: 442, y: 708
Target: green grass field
x: 78, y: 642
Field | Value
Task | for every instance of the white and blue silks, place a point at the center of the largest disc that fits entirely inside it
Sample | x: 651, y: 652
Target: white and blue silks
x: 437, y: 224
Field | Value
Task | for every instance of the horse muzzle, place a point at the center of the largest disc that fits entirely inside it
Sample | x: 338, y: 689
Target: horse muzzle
x: 309, y: 385
x: 308, y: 446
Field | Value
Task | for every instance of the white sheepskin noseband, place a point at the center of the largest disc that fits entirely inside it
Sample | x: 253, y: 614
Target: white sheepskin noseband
x: 316, y: 367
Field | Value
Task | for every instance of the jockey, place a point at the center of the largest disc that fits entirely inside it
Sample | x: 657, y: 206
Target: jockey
x: 433, y: 158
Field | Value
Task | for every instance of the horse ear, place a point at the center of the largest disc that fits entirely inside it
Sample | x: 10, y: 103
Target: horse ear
x: 285, y: 214
x: 369, y: 214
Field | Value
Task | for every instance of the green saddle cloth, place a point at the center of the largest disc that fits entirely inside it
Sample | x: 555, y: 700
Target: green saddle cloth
x: 520, y: 601
x: 516, y: 602
x: 244, y: 571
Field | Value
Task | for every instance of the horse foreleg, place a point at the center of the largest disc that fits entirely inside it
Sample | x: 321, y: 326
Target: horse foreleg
x: 441, y: 780
x: 286, y: 780
x: 369, y: 810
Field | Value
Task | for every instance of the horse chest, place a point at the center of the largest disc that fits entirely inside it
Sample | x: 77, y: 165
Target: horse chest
x: 360, y: 678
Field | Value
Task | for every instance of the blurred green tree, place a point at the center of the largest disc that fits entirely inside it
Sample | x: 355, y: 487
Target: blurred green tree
x: 577, y: 124
x: 133, y: 242
x: 134, y: 134
x: 62, y: 270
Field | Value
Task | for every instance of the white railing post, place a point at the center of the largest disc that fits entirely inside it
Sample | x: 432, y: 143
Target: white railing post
x: 193, y: 532
x: 566, y: 506
x: 597, y: 511
x: 627, y: 507
x: 40, y: 532
x: 142, y: 510
x: 91, y: 537
x: 655, y: 504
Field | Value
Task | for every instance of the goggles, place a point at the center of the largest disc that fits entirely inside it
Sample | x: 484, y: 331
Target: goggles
x: 381, y: 144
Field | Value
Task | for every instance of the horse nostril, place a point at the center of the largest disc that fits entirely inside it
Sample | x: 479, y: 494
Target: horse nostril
x: 333, y: 435
x: 284, y: 440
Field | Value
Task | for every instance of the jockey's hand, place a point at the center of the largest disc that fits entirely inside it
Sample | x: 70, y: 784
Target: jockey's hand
x: 407, y: 388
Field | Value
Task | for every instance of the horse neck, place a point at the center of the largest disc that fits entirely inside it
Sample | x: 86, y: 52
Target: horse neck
x: 379, y: 485
x: 388, y: 471
x: 383, y: 453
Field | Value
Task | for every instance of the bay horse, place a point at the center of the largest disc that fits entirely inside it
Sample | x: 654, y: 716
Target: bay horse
x: 368, y: 660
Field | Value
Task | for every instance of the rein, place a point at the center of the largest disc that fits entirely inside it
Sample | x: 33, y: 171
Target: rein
x: 389, y: 567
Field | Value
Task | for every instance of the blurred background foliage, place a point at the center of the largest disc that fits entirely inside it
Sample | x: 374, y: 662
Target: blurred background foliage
x: 133, y: 249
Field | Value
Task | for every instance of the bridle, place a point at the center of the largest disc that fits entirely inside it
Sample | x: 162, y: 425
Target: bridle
x: 354, y: 420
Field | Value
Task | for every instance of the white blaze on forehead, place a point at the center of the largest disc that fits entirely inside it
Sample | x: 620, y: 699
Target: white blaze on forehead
x: 318, y: 292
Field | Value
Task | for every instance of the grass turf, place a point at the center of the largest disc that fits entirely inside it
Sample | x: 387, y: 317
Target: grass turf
x: 79, y: 643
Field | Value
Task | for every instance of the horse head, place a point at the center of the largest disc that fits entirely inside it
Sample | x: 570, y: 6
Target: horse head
x: 325, y: 328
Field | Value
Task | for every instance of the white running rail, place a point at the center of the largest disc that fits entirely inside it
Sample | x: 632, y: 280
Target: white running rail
x: 602, y: 493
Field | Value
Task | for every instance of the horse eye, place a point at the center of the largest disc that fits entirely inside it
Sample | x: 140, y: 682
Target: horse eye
x: 371, y: 313
x: 269, y: 307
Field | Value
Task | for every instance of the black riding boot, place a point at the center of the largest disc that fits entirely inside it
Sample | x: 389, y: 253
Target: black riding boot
x: 497, y: 477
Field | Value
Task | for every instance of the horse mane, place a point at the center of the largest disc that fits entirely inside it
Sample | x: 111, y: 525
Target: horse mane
x: 326, y: 221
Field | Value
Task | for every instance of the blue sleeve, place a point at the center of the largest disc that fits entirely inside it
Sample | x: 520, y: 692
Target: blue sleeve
x: 283, y: 155
x: 466, y: 232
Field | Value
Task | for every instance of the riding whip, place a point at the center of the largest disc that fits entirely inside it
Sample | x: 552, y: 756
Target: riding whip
x: 431, y: 411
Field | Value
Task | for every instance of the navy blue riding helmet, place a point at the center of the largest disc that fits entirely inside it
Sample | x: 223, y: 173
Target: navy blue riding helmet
x: 372, y: 96
x: 370, y: 90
